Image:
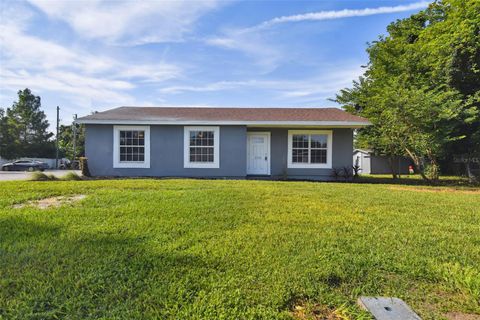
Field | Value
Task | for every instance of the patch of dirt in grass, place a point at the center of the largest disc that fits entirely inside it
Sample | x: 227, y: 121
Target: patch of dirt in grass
x: 51, y: 202
x: 317, y: 312
x: 439, y: 190
x: 462, y: 316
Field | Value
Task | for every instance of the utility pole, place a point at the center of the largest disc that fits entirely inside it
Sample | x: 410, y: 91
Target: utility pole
x: 74, y: 127
x: 58, y: 120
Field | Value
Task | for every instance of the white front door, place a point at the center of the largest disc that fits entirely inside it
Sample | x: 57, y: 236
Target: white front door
x: 258, y: 152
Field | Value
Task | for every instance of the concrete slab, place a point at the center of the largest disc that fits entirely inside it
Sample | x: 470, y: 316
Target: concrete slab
x: 387, y: 308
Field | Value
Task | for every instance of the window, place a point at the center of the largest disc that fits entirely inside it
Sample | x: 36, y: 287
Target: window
x: 131, y: 147
x: 309, y: 149
x: 201, y: 146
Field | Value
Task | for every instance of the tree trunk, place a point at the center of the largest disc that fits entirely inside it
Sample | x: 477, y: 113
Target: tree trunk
x: 471, y: 177
x: 416, y: 163
x: 392, y: 168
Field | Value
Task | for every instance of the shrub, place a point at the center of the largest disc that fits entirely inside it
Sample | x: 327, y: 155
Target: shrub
x: 347, y: 173
x: 84, y: 166
x: 51, y: 177
x: 71, y: 176
x: 356, y: 170
x: 432, y: 171
x: 344, y: 173
x: 39, y: 176
x: 337, y: 173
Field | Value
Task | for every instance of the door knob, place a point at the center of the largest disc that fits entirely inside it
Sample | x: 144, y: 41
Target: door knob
x: 265, y: 158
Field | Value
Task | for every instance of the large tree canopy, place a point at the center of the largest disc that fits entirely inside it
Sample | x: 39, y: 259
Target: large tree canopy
x: 421, y: 88
x: 24, y: 129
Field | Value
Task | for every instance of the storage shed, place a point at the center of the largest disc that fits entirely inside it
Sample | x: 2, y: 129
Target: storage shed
x: 376, y: 164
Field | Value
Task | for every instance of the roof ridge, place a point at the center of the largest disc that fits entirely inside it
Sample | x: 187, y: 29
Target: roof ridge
x: 232, y: 115
x: 222, y: 107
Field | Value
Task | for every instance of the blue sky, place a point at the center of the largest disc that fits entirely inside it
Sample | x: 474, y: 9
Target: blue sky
x: 95, y: 55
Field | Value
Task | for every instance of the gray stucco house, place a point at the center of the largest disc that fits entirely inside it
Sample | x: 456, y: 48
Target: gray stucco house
x: 294, y: 143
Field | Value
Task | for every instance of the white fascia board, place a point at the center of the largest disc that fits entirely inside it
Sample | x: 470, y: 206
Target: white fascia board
x: 331, y: 124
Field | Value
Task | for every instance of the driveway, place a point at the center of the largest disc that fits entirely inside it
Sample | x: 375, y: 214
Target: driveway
x: 23, y: 175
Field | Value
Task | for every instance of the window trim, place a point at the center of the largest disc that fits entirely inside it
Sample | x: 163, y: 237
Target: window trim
x: 327, y: 165
x: 216, y: 147
x: 116, y: 147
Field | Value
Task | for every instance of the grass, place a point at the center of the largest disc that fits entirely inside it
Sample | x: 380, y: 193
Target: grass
x: 203, y: 249
x: 40, y: 176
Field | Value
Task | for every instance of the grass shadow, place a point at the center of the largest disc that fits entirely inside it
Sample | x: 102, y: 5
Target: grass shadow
x: 414, y: 181
x: 91, y: 275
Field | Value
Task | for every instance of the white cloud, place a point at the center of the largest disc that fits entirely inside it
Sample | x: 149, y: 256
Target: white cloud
x: 128, y: 22
x: 252, y: 41
x: 149, y: 73
x: 25, y: 51
x: 332, y: 79
x: 81, y: 88
x: 339, y: 14
x: 266, y: 55
x: 214, y: 86
x: 74, y: 75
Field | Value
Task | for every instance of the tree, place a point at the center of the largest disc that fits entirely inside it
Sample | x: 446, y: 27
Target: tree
x: 421, y: 88
x: 454, y: 46
x: 25, y: 129
x: 4, y: 134
x: 65, y: 141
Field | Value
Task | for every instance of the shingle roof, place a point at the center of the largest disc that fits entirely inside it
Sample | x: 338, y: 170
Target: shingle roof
x: 219, y: 115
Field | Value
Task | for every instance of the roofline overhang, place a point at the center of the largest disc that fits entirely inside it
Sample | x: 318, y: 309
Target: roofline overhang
x: 339, y: 124
x: 362, y: 150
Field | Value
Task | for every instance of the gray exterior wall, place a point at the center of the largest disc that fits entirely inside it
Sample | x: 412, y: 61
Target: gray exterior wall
x: 166, y: 153
x: 342, y: 146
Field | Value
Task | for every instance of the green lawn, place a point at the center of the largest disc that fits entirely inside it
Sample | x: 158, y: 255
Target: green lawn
x: 203, y: 249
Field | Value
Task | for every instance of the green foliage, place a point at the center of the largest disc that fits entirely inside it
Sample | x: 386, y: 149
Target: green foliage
x: 71, y: 176
x: 52, y: 177
x: 421, y: 89
x: 4, y: 134
x: 206, y: 249
x: 39, y: 176
x: 24, y: 129
x: 65, y: 140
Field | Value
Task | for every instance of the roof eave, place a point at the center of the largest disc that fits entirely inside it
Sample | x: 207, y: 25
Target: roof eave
x: 346, y: 124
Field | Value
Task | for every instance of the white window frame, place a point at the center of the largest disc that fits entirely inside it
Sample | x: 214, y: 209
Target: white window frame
x: 216, y: 147
x: 327, y: 165
x: 116, y: 148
